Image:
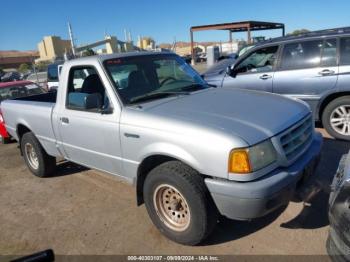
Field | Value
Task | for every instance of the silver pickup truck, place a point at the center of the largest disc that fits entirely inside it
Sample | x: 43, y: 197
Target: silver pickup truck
x: 192, y: 151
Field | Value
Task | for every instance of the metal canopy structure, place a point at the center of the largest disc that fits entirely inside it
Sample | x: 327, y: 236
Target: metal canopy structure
x: 245, y: 26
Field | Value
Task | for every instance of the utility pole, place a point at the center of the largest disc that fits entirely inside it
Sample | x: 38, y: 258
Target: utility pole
x: 125, y: 35
x: 34, y: 69
x: 173, y: 48
x: 129, y: 36
x: 71, y: 39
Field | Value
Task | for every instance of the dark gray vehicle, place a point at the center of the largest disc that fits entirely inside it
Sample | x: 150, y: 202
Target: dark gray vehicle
x: 338, y: 243
x: 314, y: 67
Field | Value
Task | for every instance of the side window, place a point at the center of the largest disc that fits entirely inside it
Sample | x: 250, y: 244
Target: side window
x: 345, y: 51
x: 52, y: 73
x: 86, y: 91
x: 329, y: 53
x: 301, y: 55
x: 262, y: 60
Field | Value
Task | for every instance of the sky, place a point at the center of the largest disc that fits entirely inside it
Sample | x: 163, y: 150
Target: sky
x: 25, y: 22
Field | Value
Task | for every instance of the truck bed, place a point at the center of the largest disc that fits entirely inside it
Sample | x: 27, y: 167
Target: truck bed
x: 46, y: 97
x: 35, y: 113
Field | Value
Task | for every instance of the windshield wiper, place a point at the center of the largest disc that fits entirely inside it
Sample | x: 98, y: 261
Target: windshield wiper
x: 156, y: 95
x: 195, y: 87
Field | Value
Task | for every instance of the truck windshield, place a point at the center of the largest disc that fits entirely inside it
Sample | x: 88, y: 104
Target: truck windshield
x: 144, y: 77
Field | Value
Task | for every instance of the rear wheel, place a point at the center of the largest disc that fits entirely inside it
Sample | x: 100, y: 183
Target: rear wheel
x: 37, y: 160
x: 179, y: 203
x: 336, y: 118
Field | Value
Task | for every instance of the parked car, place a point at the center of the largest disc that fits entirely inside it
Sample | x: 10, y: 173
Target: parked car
x: 191, y: 151
x: 39, y: 78
x: 201, y: 57
x: 314, y: 67
x: 53, y: 74
x: 10, y: 76
x: 338, y: 242
x: 12, y: 90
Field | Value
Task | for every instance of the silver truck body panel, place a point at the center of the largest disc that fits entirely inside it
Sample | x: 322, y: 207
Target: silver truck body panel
x: 34, y: 116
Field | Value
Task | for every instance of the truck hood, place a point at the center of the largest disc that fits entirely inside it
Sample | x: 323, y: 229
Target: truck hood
x: 253, y: 116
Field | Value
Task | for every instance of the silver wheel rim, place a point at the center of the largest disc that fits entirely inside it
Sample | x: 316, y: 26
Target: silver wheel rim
x: 31, y: 156
x: 340, y: 120
x: 171, y: 207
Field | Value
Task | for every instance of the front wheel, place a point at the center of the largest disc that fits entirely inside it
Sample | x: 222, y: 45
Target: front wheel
x: 38, y: 161
x: 179, y: 203
x: 336, y: 118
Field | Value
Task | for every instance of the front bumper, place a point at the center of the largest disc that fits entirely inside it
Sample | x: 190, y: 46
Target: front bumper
x: 248, y: 200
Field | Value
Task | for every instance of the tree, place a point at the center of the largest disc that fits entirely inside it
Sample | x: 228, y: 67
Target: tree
x: 88, y: 52
x: 299, y: 32
x: 23, y: 68
x: 41, y: 66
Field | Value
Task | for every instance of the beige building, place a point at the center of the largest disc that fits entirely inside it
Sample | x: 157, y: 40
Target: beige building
x: 146, y: 43
x: 186, y: 50
x: 52, y: 47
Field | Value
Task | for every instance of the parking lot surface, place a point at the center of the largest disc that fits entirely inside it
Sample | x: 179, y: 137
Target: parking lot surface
x: 82, y: 211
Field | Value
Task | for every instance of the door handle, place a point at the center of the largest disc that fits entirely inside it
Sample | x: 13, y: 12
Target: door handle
x: 265, y: 76
x: 326, y: 72
x: 64, y: 120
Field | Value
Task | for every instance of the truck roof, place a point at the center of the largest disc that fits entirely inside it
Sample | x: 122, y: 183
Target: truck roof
x: 117, y: 55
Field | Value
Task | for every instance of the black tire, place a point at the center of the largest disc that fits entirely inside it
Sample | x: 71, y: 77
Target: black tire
x: 326, y: 116
x: 191, y: 186
x: 45, y: 164
x: 5, y: 140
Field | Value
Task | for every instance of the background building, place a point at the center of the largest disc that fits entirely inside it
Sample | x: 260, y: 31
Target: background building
x: 146, y: 43
x: 52, y: 48
x: 13, y: 59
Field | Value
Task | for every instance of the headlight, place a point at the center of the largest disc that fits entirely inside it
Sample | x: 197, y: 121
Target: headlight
x: 247, y: 160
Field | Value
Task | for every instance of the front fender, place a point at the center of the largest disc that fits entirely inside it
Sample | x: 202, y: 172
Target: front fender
x: 170, y: 150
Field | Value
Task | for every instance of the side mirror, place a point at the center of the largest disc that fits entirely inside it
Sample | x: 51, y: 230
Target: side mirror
x: 230, y: 70
x: 84, y: 101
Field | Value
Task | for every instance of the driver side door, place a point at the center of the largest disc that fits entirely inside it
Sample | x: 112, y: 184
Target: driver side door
x: 255, y: 71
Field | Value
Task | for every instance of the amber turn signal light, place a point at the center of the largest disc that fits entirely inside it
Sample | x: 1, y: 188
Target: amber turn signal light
x: 239, y: 162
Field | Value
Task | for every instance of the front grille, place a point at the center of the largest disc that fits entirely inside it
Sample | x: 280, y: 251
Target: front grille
x: 297, y: 138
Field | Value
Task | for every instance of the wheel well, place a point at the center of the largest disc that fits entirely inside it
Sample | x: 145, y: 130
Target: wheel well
x: 329, y: 99
x: 21, y: 130
x: 145, y: 167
